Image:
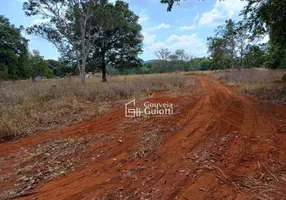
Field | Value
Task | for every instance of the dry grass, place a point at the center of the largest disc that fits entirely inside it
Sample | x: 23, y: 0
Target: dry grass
x: 29, y: 107
x: 44, y: 162
x: 199, y: 72
x: 264, y: 85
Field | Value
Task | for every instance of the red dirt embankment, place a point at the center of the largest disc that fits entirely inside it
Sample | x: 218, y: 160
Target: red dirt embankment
x: 219, y: 144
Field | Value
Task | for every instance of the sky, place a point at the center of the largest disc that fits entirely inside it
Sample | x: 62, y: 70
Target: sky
x: 186, y: 27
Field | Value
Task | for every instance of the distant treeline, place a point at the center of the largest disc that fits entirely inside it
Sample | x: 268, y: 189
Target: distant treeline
x: 237, y: 44
x: 99, y: 36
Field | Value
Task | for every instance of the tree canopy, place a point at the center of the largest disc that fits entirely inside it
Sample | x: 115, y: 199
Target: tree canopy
x: 38, y: 66
x: 119, y: 42
x: 261, y: 18
x: 13, y: 51
x: 95, y: 30
x: 269, y: 17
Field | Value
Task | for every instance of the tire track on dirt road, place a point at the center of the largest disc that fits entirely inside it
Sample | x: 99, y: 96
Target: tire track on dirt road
x: 218, y: 145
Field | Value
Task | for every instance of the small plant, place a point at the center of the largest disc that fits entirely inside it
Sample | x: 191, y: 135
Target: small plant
x: 282, y: 93
x: 284, y: 78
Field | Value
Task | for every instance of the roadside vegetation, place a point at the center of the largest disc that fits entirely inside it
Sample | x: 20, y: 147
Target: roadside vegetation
x: 262, y: 84
x: 28, y: 107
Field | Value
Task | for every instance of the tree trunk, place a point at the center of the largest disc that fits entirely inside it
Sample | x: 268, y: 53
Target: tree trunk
x: 103, y: 67
x: 83, y: 77
x: 240, y: 63
x: 81, y: 68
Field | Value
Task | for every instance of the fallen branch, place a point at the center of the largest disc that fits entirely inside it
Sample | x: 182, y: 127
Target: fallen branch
x: 270, y: 172
x: 226, y: 177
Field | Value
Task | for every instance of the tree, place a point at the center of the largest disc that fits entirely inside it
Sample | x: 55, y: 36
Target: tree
x: 204, y: 64
x: 163, y: 54
x: 59, y: 68
x: 180, y: 55
x: 68, y: 24
x: 242, y: 38
x: 228, y: 47
x: 119, y: 42
x: 170, y: 3
x: 195, y: 64
x: 228, y: 33
x: 13, y: 51
x: 254, y: 56
x: 221, y: 57
x: 269, y: 17
x: 38, y: 66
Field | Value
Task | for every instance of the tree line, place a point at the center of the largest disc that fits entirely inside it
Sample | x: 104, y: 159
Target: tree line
x: 236, y: 44
x: 233, y: 48
x: 89, y: 35
x: 16, y: 62
x: 168, y: 61
x: 97, y: 36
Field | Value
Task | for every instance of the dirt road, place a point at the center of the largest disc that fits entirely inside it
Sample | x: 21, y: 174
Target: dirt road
x: 219, y: 144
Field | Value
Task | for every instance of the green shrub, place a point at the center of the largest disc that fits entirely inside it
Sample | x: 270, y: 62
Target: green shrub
x: 284, y: 77
x: 112, y: 71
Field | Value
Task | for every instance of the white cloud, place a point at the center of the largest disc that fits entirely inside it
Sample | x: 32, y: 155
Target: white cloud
x: 222, y: 11
x: 187, y: 27
x: 196, y: 18
x: 187, y: 4
x: 190, y: 43
x: 163, y: 25
x: 148, y: 38
x: 37, y: 21
x: 192, y: 27
x: 155, y: 46
x: 143, y: 17
x: 160, y: 26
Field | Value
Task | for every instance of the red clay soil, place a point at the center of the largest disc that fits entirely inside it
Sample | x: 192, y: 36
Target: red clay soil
x: 219, y: 144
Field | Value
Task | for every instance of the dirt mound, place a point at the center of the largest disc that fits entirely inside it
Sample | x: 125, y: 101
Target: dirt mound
x: 217, y: 145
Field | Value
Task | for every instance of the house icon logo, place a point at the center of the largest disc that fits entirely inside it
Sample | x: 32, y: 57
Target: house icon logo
x: 131, y: 110
x: 148, y: 109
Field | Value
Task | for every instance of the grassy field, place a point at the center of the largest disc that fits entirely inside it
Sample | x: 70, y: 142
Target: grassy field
x: 262, y: 84
x: 29, y: 107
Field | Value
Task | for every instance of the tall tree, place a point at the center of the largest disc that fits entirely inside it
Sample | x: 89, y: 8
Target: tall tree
x: 228, y: 32
x: 254, y: 56
x: 229, y: 43
x: 180, y: 55
x: 221, y: 57
x: 269, y: 17
x: 242, y: 38
x: 13, y: 51
x: 163, y: 54
x: 68, y: 24
x: 119, y: 40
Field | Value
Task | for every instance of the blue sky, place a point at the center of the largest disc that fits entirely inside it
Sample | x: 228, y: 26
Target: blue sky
x: 186, y: 27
